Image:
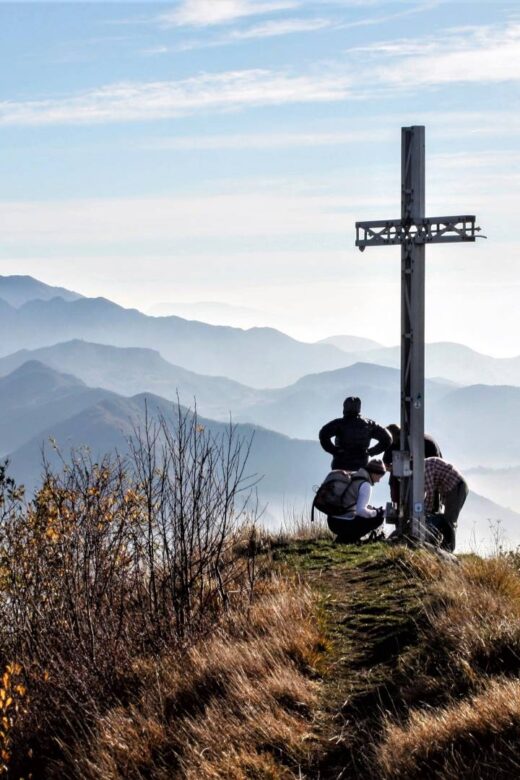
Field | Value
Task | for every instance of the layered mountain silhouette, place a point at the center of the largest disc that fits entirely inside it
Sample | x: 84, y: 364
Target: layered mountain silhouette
x: 17, y: 290
x: 297, y: 410
x: 452, y: 361
x: 132, y: 370
x: 474, y: 425
x: 288, y: 467
x: 258, y: 356
x: 351, y: 343
x: 35, y: 397
x: 59, y: 384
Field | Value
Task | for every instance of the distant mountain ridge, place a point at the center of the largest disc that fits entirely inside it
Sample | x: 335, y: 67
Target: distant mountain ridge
x: 17, y: 290
x: 455, y: 362
x: 351, y: 343
x: 132, y: 370
x: 258, y: 356
x: 34, y: 397
x: 474, y: 425
x: 289, y: 467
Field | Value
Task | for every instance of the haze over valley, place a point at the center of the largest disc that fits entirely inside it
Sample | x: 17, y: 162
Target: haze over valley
x: 82, y: 372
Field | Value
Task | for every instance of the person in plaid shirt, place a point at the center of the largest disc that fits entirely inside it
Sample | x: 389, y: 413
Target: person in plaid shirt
x: 440, y: 476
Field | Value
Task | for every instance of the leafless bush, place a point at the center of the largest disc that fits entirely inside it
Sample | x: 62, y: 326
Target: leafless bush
x: 115, y: 560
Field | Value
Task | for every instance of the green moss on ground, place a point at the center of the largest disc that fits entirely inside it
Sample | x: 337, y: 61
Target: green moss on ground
x: 370, y: 608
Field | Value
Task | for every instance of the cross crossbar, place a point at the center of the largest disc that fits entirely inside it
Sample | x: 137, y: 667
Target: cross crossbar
x: 428, y: 230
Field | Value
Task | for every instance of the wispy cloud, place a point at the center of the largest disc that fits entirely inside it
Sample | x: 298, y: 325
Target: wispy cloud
x: 138, y: 101
x: 280, y: 27
x: 203, y: 13
x: 154, y: 50
x: 482, y: 54
x: 288, y: 26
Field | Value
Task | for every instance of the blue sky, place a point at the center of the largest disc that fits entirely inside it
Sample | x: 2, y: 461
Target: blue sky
x: 221, y: 150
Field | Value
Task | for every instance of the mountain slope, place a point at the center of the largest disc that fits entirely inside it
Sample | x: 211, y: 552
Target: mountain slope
x: 132, y: 370
x: 500, y: 485
x: 479, y: 425
x: 351, y: 343
x: 17, y: 290
x: 34, y: 397
x: 259, y: 356
x: 453, y: 361
x: 289, y: 467
x: 303, y: 407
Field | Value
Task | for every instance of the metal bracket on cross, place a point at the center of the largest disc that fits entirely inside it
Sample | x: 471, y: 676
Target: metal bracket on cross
x: 432, y: 230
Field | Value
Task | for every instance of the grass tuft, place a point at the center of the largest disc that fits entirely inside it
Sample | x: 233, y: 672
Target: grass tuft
x: 237, y: 705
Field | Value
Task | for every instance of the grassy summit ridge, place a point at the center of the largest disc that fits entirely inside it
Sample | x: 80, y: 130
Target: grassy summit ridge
x: 422, y: 675
x: 294, y: 657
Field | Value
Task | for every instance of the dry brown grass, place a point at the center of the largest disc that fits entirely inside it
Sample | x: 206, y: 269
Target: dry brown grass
x: 238, y: 705
x: 477, y: 615
x: 476, y: 737
x: 468, y: 664
x: 299, y: 526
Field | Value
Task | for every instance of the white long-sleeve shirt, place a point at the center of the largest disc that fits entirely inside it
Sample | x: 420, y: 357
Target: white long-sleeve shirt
x: 362, y: 508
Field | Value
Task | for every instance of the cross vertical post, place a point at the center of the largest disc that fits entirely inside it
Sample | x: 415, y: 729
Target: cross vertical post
x: 412, y: 334
x: 412, y: 232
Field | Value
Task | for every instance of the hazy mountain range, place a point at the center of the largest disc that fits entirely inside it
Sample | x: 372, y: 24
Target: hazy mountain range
x: 60, y: 414
x: 58, y: 384
x: 474, y: 425
x: 259, y: 357
x: 500, y: 485
x: 288, y: 467
x: 450, y: 361
x: 132, y: 370
x: 211, y: 311
x: 17, y: 290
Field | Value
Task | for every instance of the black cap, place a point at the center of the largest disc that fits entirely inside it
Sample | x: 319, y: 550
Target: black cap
x: 352, y: 405
x: 375, y: 467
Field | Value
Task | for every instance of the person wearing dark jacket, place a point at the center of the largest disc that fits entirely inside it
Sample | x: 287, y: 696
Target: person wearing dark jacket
x: 352, y: 435
x: 431, y: 450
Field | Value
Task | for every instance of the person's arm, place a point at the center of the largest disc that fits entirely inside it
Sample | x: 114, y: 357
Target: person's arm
x: 362, y: 508
x: 383, y: 438
x: 327, y: 432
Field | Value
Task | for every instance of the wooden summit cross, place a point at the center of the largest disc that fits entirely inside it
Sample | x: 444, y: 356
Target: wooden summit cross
x: 413, y: 231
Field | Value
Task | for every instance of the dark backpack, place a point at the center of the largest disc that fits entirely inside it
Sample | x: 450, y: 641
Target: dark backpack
x: 334, y: 496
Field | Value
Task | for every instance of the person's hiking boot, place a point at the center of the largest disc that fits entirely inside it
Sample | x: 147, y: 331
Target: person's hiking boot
x: 376, y: 536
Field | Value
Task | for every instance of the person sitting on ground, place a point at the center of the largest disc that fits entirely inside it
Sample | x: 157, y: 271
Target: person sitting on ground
x: 443, y: 477
x: 360, y: 518
x: 352, y: 434
x: 431, y: 450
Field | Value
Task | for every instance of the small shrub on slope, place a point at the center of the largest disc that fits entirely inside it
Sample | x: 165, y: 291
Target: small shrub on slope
x: 114, y: 562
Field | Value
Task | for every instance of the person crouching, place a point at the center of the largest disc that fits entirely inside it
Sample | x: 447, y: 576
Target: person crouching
x: 360, y: 518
